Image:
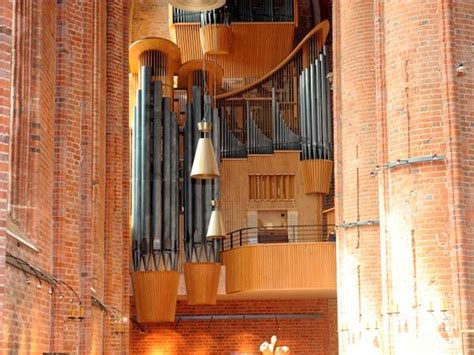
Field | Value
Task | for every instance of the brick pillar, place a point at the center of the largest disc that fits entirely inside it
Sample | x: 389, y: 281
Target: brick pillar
x: 98, y: 183
x: 424, y: 211
x: 356, y: 193
x: 72, y: 193
x: 6, y: 18
x: 456, y: 32
x: 117, y: 173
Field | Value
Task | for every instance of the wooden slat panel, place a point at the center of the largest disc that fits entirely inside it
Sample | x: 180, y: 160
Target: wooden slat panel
x: 280, y: 266
x: 202, y: 280
x: 216, y: 39
x: 155, y: 294
x: 255, y: 49
x: 235, y: 189
x: 234, y: 193
x: 317, y: 175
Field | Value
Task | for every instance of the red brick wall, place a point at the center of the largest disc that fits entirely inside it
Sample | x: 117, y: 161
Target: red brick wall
x: 117, y: 239
x: 28, y: 308
x: 395, y: 64
x: 457, y: 33
x: 59, y: 59
x: 303, y: 336
x: 356, y: 195
x: 6, y: 25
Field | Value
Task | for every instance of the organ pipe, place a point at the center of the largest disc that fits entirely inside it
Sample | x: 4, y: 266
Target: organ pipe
x: 288, y: 109
x: 199, y: 193
x: 155, y: 180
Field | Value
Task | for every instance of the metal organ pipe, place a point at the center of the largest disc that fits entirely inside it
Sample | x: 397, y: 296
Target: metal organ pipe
x: 157, y: 165
x: 319, y: 119
x: 323, y: 110
x: 154, y: 183
x: 328, y: 102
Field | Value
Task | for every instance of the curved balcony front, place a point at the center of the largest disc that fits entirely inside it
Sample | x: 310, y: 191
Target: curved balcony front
x: 298, y: 267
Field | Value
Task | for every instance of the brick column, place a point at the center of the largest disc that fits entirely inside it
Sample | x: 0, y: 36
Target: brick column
x: 424, y: 239
x: 117, y: 245
x: 73, y: 184
x: 356, y: 195
x: 6, y: 22
x: 456, y: 33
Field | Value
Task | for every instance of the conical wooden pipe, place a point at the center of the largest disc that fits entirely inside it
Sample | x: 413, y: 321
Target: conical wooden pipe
x: 155, y: 294
x: 316, y: 175
x: 202, y: 281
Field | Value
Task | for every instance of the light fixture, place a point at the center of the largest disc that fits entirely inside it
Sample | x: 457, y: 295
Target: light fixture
x: 216, y: 229
x: 460, y: 69
x: 197, y: 5
x: 205, y: 163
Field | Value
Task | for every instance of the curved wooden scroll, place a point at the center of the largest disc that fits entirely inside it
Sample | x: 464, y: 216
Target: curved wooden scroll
x: 316, y: 175
x: 323, y: 30
x: 202, y: 281
x: 155, y: 294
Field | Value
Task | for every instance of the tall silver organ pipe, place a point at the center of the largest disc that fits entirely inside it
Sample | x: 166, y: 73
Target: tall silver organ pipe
x: 155, y: 178
x: 199, y: 193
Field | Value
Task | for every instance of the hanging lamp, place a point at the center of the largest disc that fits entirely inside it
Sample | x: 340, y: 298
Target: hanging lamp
x: 197, y: 5
x: 216, y: 229
x: 205, y: 162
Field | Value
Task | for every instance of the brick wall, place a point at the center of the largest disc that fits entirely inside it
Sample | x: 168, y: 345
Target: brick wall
x: 57, y: 55
x: 456, y: 35
x: 150, y: 19
x: 414, y: 105
x: 356, y: 195
x: 117, y: 239
x: 303, y: 336
x: 32, y: 117
x: 6, y: 25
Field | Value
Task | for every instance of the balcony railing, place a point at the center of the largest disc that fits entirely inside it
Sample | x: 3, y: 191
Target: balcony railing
x: 240, y: 11
x: 286, y: 234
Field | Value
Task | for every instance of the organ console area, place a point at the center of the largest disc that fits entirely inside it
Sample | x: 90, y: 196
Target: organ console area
x: 273, y: 143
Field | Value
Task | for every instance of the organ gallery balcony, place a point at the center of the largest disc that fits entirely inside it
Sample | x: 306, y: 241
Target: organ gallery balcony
x: 283, y: 262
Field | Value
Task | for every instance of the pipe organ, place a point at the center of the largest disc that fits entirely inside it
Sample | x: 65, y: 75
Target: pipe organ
x: 198, y: 194
x: 288, y: 109
x: 202, y: 267
x: 285, y: 113
x: 155, y: 180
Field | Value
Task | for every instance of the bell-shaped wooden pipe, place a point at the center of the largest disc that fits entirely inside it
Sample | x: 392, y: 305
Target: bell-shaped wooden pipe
x: 216, y: 229
x: 205, y: 163
x: 197, y: 5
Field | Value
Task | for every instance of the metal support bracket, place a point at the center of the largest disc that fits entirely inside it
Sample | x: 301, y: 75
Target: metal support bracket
x: 402, y: 162
x: 358, y: 224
